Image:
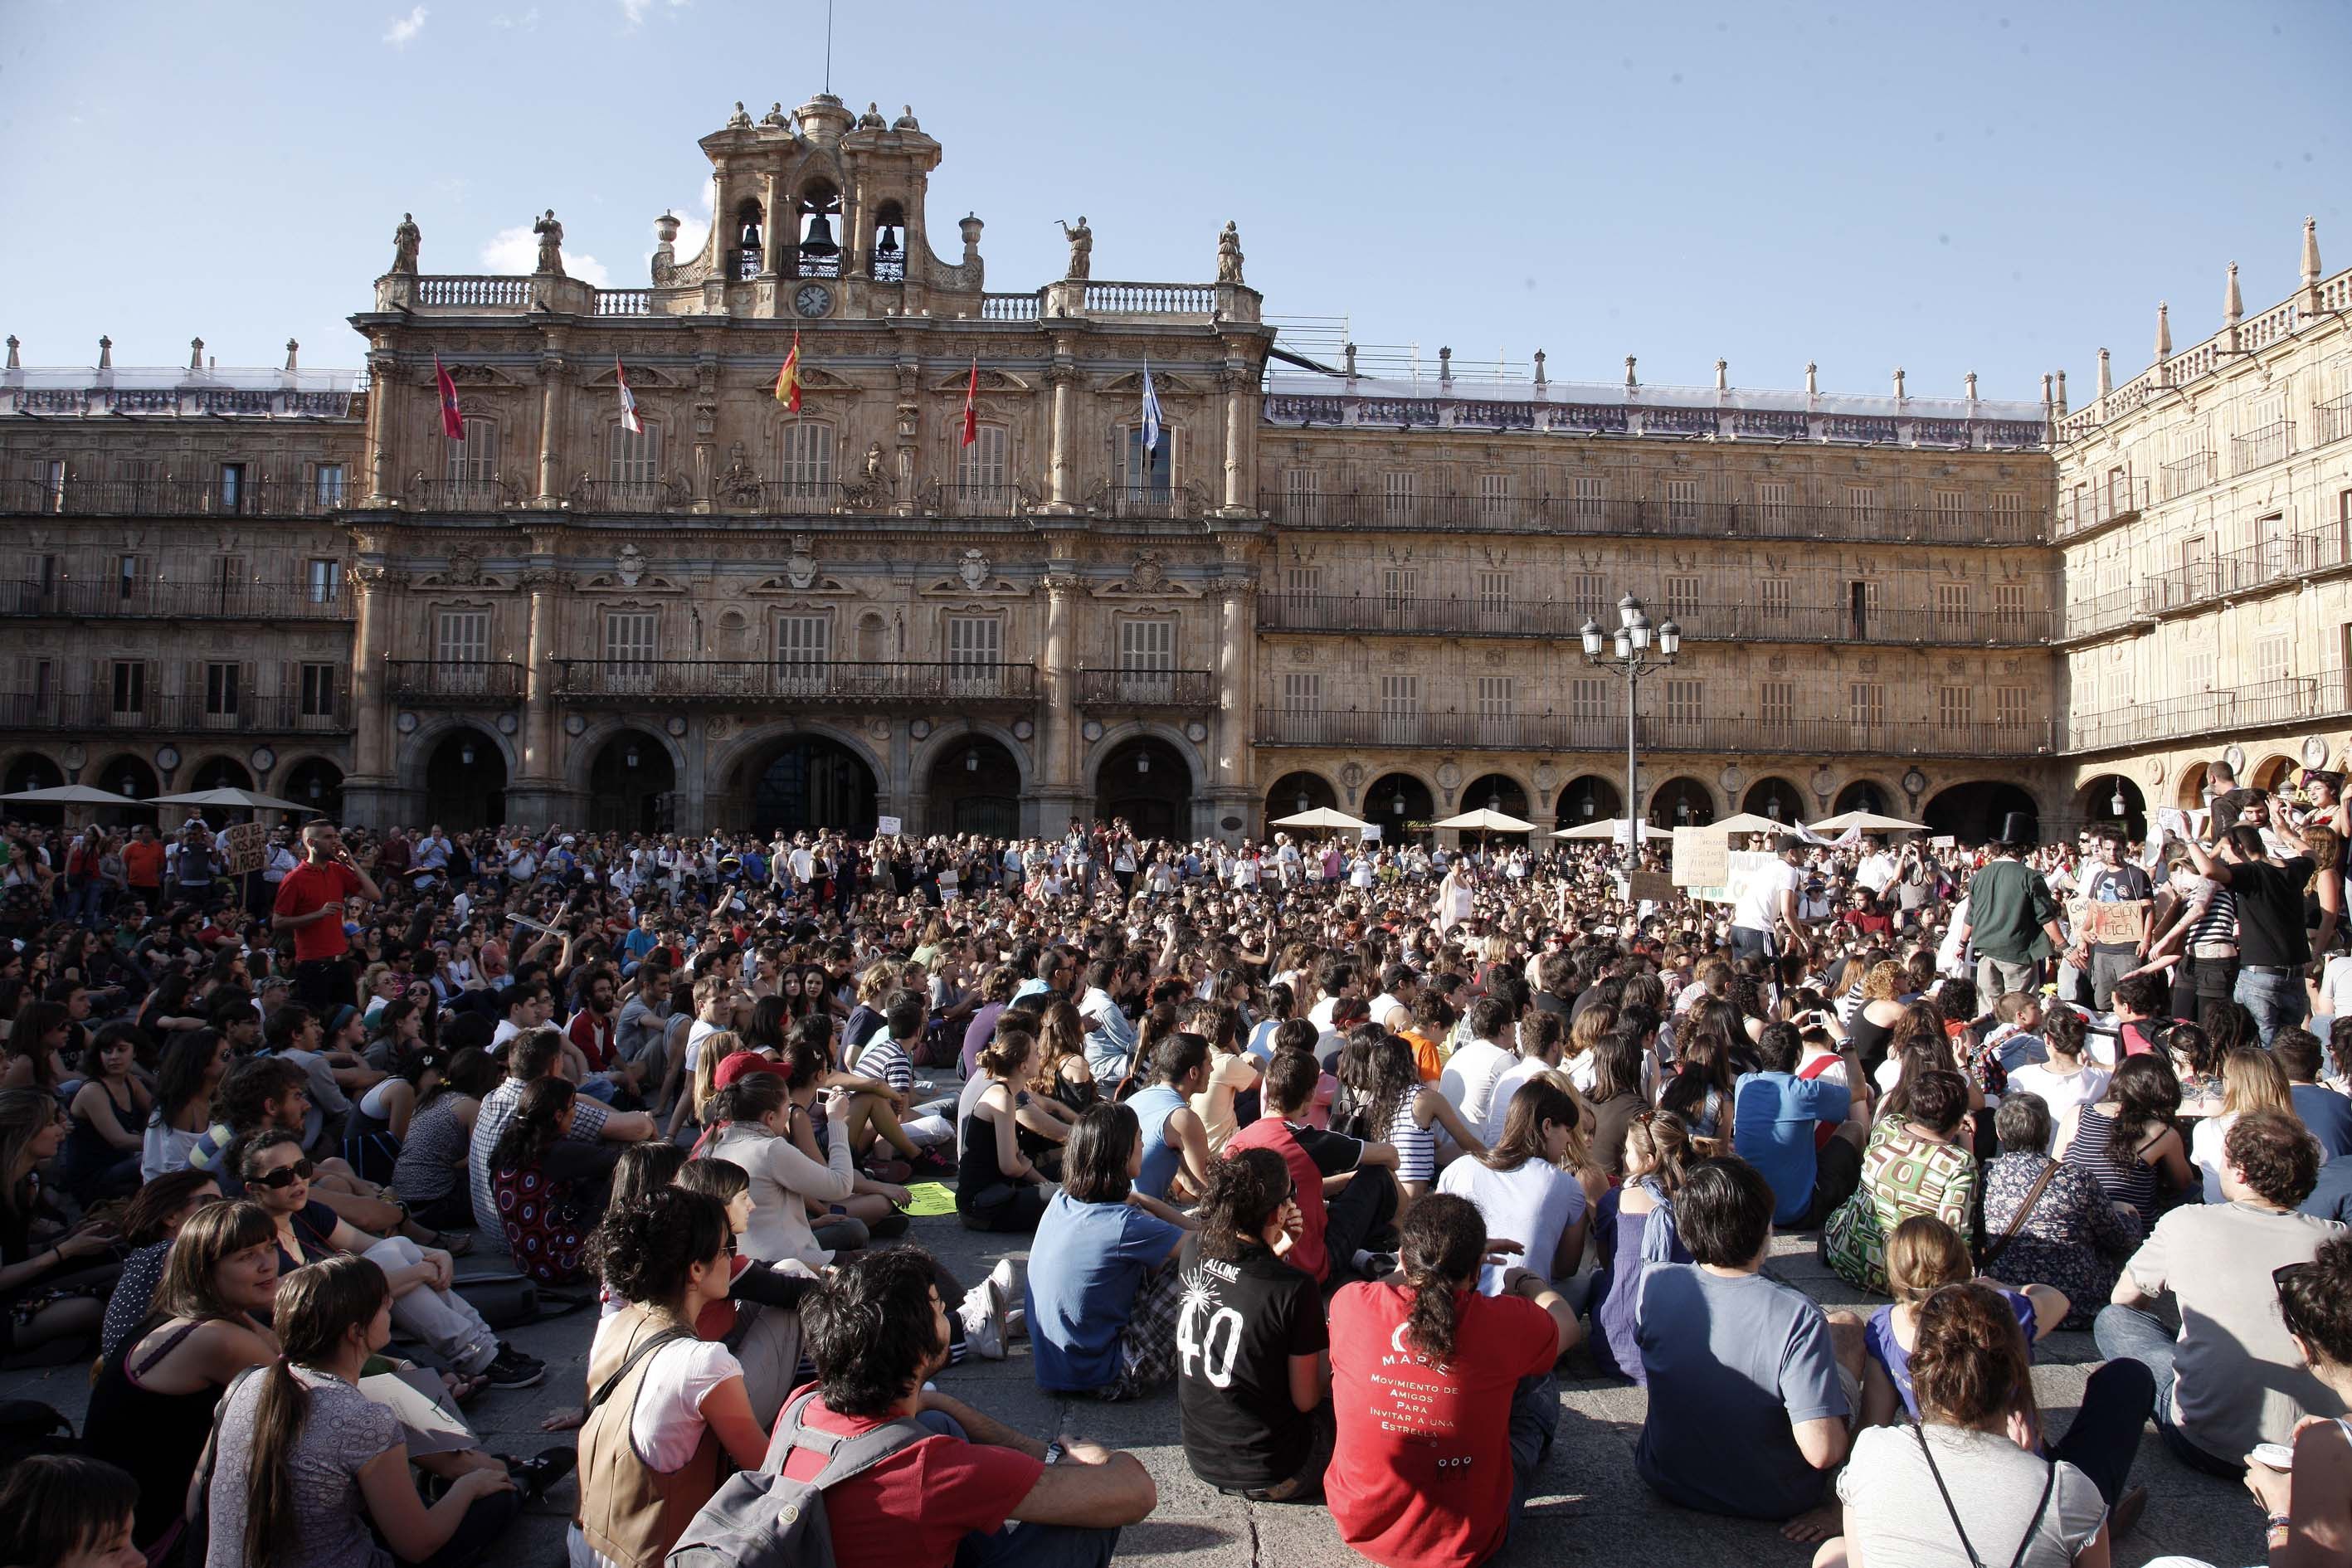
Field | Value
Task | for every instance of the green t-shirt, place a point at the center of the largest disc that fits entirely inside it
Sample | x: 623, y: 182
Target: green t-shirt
x: 2008, y: 902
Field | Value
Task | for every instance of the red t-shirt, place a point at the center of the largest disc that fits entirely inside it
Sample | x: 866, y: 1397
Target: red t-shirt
x: 307, y: 888
x: 1421, y: 1474
x: 1307, y: 1250
x: 142, y: 864
x: 914, y: 1509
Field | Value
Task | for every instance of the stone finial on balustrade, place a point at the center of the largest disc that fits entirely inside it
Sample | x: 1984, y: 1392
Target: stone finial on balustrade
x: 1898, y: 384
x: 195, y: 353
x: 1813, y: 379
x: 2233, y: 304
x: 1629, y: 372
x: 2045, y: 391
x: 2062, y: 395
x: 2106, y: 374
x: 14, y: 363
x: 1350, y: 349
x: 971, y: 226
x: 1723, y: 376
x: 106, y: 354
x: 292, y: 350
x: 2163, y: 333
x: 1969, y: 380
x: 1540, y: 367
x: 2310, y: 252
x: 1444, y: 366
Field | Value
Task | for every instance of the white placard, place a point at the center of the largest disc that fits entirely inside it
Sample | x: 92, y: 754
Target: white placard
x: 1372, y: 833
x: 886, y: 827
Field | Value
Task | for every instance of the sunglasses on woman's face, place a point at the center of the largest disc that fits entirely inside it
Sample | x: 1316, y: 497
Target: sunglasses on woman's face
x: 285, y: 1175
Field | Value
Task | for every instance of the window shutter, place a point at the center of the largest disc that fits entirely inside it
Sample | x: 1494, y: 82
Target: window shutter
x: 148, y: 704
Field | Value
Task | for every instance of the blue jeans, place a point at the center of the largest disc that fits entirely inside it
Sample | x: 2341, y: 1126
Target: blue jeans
x: 2127, y: 1332
x: 1535, y: 1418
x: 1020, y: 1545
x: 2276, y: 1001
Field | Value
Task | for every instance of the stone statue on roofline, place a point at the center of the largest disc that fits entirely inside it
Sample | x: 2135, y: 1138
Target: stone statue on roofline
x: 741, y: 120
x: 774, y: 119
x: 551, y: 245
x: 1082, y: 249
x: 1229, y: 254
x: 404, y: 242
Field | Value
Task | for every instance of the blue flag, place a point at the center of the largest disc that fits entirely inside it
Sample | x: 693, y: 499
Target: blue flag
x: 1150, y: 412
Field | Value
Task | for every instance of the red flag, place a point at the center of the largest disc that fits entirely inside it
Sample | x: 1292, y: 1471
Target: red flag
x: 971, y: 405
x: 788, y: 380
x: 453, y: 423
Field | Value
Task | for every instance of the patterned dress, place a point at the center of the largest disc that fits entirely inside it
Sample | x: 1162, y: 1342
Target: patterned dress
x: 546, y: 1231
x: 1902, y: 1176
x: 2076, y: 1238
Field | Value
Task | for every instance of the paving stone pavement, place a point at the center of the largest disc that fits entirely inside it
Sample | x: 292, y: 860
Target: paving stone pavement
x: 1590, y: 1508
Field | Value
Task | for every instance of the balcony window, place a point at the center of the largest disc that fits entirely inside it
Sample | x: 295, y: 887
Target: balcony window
x: 1866, y: 702
x: 803, y: 649
x: 126, y: 578
x: 1399, y: 707
x: 130, y: 687
x: 1952, y: 609
x: 1955, y: 708
x: 1302, y: 494
x: 975, y: 654
x: 1588, y: 500
x: 1493, y: 595
x: 324, y: 581
x: 232, y: 488
x: 630, y: 641
x: 1399, y: 496
x: 980, y: 467
x: 1773, y: 598
x: 2010, y: 707
x: 1146, y: 660
x: 1778, y: 699
x: 327, y: 484
x: 474, y: 458
x: 807, y: 458
x: 1681, y: 502
x: 1148, y: 476
x: 220, y: 690
x: 633, y: 456
x: 1302, y: 691
x: 1494, y: 497
x: 1777, y: 500
x: 320, y: 685
x: 1685, y: 702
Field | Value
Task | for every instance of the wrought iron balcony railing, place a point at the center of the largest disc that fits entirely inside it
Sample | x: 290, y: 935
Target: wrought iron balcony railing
x: 726, y: 682
x: 483, y: 682
x: 1563, y: 620
x: 1180, y: 689
x: 1380, y: 511
x: 197, y: 496
x: 161, y: 715
x: 2290, y: 700
x: 1552, y: 732
x: 142, y: 599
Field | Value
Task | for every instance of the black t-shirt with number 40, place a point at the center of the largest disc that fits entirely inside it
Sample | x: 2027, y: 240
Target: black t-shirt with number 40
x: 1240, y: 1323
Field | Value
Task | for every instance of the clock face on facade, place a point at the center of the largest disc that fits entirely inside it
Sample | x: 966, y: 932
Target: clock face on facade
x: 812, y: 300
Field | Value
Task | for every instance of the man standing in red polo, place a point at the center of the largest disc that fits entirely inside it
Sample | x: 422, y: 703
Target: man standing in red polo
x: 310, y: 905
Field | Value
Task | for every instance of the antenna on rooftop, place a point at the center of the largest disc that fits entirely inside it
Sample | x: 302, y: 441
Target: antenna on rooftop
x: 828, y: 46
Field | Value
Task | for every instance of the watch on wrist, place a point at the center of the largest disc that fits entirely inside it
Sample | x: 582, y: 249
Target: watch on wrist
x: 1054, y: 1454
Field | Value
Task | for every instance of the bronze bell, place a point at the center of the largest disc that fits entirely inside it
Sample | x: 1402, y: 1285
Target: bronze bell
x: 820, y: 238
x: 888, y: 244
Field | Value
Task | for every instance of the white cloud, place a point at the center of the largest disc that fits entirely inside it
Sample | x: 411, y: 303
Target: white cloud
x: 637, y: 10
x: 516, y: 250
x: 405, y: 28
x: 528, y: 22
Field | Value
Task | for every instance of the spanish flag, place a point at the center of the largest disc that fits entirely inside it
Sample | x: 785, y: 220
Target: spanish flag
x: 788, y: 380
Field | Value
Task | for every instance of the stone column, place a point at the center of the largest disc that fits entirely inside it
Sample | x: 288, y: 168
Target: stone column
x: 370, y: 790
x: 1230, y: 785
x: 534, y: 795
x: 552, y: 408
x: 770, y: 226
x: 1061, y: 376
x: 1057, y: 784
x: 1237, y: 393
x: 383, y: 372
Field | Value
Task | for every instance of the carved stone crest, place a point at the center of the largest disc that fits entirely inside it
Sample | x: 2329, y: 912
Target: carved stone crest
x: 465, y: 569
x: 972, y: 569
x: 800, y: 567
x: 630, y: 564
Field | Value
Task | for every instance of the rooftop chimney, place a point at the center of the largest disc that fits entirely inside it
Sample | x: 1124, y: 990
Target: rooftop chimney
x: 2310, y: 303
x: 1629, y: 372
x: 292, y: 348
x: 1970, y: 382
x: 1540, y: 367
x: 1350, y: 350
x: 1813, y: 379
x: 1722, y: 383
x: 2106, y: 374
x: 1898, y: 384
x: 2062, y: 395
x: 2163, y: 340
x: 106, y: 354
x: 195, y: 353
x: 14, y: 363
x: 1444, y: 366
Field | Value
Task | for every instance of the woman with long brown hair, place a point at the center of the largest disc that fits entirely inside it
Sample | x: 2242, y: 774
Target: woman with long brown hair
x: 1065, y: 1080
x: 308, y: 1471
x: 1634, y: 1225
x: 1537, y: 1185
x: 1444, y: 1397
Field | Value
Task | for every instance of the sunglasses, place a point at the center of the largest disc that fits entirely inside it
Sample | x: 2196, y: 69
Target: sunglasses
x: 285, y: 1175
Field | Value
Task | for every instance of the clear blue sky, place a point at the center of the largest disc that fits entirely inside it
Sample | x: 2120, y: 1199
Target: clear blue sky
x: 1947, y: 188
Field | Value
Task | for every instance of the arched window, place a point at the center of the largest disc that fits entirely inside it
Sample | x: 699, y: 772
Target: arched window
x: 889, y: 253
x: 805, y: 460
x: 820, y: 252
x: 750, y: 253
x: 633, y: 456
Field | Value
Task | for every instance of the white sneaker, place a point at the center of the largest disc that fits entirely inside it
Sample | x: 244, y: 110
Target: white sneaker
x: 1007, y: 1277
x: 983, y: 1320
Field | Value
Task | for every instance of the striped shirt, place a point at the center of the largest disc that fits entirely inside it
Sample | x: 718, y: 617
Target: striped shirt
x: 884, y: 1060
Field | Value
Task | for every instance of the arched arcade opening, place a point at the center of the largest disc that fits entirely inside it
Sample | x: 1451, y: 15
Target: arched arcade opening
x: 29, y: 771
x: 465, y: 781
x: 1973, y: 812
x: 1301, y: 792
x: 1590, y: 798
x: 975, y: 787
x: 1682, y: 803
x: 632, y: 785
x: 1776, y: 798
x: 1395, y: 800
x: 813, y: 782
x: 1146, y: 781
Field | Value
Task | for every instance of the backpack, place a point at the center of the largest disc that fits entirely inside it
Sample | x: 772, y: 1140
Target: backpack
x: 761, y: 1520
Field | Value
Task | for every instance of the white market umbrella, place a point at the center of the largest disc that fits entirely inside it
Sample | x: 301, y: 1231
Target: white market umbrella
x: 1868, y: 822
x: 1610, y: 827
x: 1748, y: 822
x: 231, y: 799
x: 1323, y: 816
x: 1487, y: 819
x: 70, y: 795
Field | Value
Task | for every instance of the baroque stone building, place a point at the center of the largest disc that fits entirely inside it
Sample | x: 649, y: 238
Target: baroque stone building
x: 1326, y: 581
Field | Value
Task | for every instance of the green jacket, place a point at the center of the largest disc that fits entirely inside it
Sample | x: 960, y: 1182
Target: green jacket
x: 2008, y: 903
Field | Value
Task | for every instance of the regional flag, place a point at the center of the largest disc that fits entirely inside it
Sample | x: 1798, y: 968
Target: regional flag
x: 788, y: 380
x: 1150, y: 411
x: 453, y: 423
x: 971, y: 405
x: 629, y: 420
